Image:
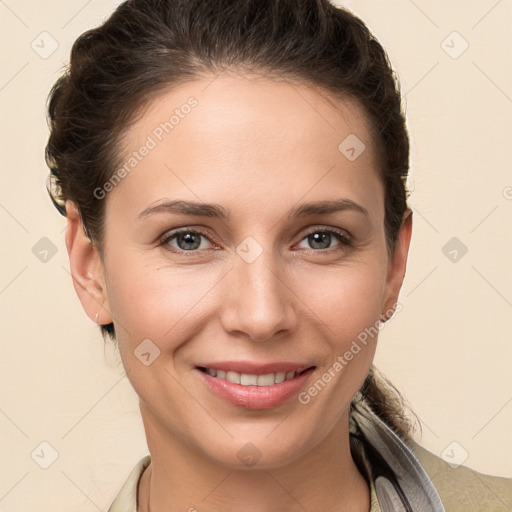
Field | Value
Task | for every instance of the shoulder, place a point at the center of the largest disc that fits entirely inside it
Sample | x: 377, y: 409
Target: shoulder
x: 464, y: 489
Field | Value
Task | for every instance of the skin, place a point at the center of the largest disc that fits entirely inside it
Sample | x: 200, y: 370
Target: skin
x: 258, y: 148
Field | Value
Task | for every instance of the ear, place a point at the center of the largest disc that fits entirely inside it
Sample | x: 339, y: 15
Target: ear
x: 397, y: 263
x: 86, y: 268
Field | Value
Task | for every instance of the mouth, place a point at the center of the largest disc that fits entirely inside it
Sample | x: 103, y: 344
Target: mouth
x: 252, y: 379
x: 251, y: 386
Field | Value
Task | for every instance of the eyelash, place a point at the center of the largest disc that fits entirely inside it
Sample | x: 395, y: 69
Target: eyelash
x: 344, y: 240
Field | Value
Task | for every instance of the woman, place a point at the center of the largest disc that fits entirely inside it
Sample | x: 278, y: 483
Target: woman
x: 234, y: 178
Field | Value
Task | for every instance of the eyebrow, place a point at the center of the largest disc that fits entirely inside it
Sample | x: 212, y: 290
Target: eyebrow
x: 214, y: 210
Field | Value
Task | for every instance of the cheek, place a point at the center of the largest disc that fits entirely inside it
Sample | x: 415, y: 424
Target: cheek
x: 155, y: 301
x: 345, y: 299
x: 164, y: 305
x: 348, y: 305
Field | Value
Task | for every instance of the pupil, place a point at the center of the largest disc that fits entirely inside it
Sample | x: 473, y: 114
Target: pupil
x: 317, y: 238
x: 188, y: 239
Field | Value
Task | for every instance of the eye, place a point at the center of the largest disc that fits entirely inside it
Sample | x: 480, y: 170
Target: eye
x: 322, y: 238
x: 187, y: 241
x: 190, y: 241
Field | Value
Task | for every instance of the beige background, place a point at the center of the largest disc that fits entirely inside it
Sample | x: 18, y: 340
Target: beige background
x: 450, y: 349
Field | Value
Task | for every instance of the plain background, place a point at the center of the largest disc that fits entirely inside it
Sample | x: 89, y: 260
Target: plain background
x: 450, y: 349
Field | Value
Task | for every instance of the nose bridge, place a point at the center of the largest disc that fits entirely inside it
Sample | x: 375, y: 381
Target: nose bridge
x: 259, y: 302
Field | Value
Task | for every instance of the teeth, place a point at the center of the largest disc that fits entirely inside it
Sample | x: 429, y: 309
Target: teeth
x: 233, y: 377
x: 246, y: 379
x: 280, y: 376
x: 266, y: 380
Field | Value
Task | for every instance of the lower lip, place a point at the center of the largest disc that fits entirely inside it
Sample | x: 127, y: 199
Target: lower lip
x: 255, y: 397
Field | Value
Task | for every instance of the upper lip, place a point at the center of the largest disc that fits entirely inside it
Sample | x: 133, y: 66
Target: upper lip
x: 253, y: 368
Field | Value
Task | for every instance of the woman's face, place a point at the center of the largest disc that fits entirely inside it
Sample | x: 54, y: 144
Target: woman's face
x: 261, y: 290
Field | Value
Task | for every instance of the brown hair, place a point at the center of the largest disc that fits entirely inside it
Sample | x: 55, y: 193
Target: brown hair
x: 147, y: 46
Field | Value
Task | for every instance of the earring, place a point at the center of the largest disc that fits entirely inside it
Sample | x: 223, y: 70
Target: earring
x: 97, y: 314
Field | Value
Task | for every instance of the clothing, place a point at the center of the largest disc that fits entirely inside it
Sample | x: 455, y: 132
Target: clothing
x: 401, y: 477
x: 126, y: 500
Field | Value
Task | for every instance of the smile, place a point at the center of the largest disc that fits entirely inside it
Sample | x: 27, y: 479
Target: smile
x: 247, y: 379
x: 255, y: 386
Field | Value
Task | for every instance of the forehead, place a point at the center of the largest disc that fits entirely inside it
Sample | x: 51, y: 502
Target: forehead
x: 218, y: 136
x: 239, y: 104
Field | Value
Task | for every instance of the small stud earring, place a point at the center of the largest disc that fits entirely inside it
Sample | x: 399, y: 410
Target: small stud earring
x: 97, y: 314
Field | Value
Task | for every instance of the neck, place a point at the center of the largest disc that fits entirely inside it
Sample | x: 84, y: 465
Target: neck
x: 181, y: 479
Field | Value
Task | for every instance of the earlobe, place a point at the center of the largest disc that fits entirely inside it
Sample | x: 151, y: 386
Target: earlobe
x: 398, y: 262
x: 86, y: 268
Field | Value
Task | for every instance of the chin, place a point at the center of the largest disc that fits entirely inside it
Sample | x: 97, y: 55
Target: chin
x: 259, y: 452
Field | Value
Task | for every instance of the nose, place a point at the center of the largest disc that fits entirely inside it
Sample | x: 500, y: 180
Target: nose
x: 258, y: 300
